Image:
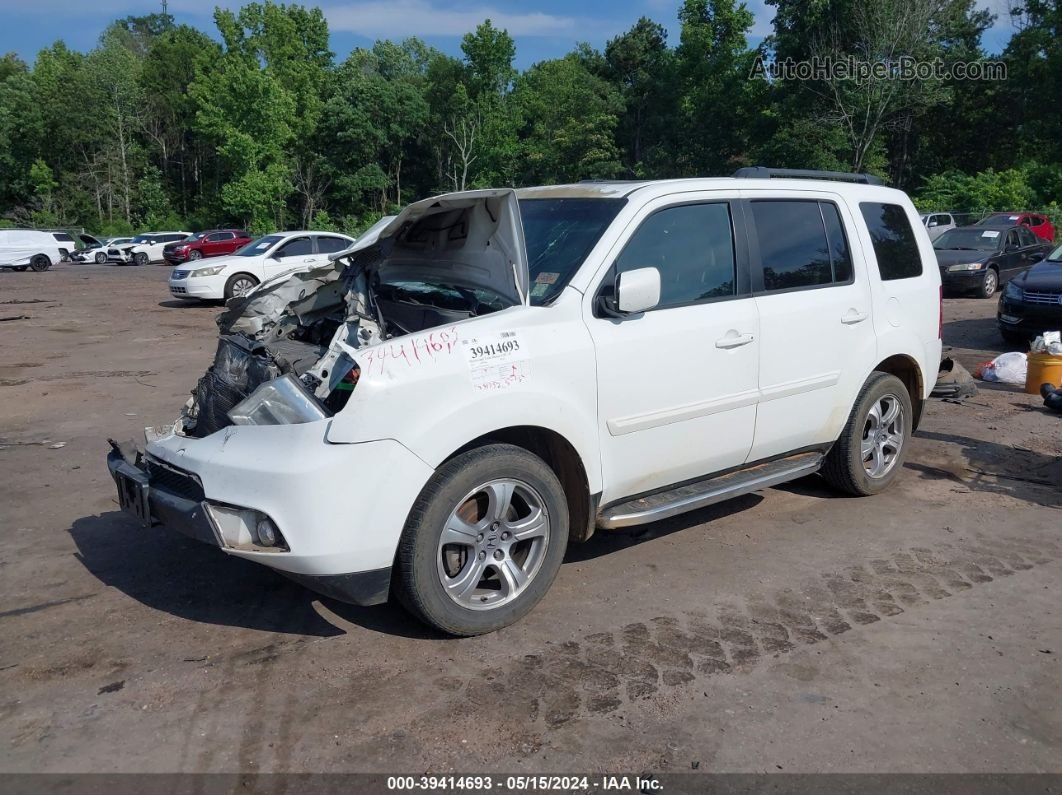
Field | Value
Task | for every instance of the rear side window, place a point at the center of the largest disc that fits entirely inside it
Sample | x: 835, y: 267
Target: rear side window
x: 693, y: 248
x: 802, y: 244
x: 330, y: 245
x: 895, y: 247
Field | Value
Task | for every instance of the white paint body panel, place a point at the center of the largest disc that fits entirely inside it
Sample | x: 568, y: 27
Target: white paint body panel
x: 19, y: 246
x: 645, y: 401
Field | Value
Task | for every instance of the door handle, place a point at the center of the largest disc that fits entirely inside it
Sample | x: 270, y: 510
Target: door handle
x: 735, y: 341
x: 854, y: 316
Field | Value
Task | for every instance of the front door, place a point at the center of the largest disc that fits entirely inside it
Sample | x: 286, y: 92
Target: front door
x: 291, y: 255
x: 677, y: 384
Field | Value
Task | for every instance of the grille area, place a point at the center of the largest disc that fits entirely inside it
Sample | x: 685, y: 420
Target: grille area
x: 183, y: 484
x: 1042, y: 297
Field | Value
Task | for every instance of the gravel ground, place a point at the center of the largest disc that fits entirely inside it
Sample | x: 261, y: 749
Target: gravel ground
x: 791, y: 630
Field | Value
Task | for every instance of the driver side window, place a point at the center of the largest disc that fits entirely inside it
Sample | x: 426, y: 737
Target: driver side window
x: 693, y: 248
x: 299, y: 247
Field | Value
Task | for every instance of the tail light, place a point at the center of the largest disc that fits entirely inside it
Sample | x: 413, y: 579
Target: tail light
x: 940, y: 321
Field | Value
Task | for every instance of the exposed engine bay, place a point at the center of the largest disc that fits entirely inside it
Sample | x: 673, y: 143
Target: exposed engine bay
x: 288, y: 350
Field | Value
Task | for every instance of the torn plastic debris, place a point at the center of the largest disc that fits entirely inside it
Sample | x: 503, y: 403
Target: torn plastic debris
x: 954, y: 381
x: 1007, y: 368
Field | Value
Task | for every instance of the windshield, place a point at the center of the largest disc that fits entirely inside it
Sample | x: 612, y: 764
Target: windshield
x: 559, y: 233
x: 1056, y: 255
x: 259, y: 246
x: 999, y: 218
x: 969, y: 240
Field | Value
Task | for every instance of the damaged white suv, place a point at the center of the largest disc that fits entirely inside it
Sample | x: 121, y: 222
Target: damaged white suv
x: 493, y: 374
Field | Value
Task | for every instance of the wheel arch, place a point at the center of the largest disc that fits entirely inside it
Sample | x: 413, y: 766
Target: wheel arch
x: 562, y: 457
x: 910, y: 373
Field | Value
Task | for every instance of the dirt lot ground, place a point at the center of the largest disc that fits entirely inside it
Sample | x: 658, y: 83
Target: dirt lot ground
x: 792, y: 630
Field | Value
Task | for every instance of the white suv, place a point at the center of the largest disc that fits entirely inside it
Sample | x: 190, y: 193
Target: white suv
x: 495, y: 373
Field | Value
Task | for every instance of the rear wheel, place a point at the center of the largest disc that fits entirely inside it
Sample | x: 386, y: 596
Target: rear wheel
x: 989, y: 284
x: 40, y: 263
x: 101, y: 257
x: 239, y: 285
x: 873, y: 445
x: 483, y: 541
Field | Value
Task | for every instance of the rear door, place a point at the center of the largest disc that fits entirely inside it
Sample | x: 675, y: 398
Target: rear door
x: 814, y: 303
x: 677, y: 384
x: 218, y: 243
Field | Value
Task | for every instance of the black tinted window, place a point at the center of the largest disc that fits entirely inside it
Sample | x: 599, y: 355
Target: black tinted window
x: 693, y: 248
x: 329, y: 245
x: 895, y: 247
x: 793, y: 245
x: 298, y: 247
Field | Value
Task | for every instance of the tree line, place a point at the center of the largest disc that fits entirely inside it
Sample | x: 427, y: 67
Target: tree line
x: 163, y: 126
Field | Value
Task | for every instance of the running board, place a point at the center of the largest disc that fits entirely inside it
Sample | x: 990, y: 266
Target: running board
x: 708, y: 491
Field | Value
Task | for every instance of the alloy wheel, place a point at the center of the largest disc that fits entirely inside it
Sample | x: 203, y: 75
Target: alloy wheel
x: 493, y: 544
x: 883, y: 436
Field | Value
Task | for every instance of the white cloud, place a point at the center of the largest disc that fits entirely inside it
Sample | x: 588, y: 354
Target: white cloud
x: 400, y: 18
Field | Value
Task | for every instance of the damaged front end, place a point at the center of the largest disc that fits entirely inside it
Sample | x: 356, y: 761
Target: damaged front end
x: 288, y: 350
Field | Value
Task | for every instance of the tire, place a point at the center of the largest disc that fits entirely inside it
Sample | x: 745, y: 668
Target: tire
x: 234, y: 287
x: 140, y: 258
x: 40, y: 262
x: 485, y: 580
x: 846, y: 467
x: 195, y: 254
x: 101, y: 257
x: 989, y: 285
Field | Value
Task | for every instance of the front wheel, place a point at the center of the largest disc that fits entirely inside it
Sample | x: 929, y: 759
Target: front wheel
x: 989, y: 284
x: 101, y: 258
x: 140, y: 258
x: 483, y: 542
x: 195, y: 254
x: 870, y: 452
x: 239, y: 285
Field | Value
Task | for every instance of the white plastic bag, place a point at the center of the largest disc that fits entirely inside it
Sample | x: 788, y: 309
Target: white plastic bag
x: 1007, y: 368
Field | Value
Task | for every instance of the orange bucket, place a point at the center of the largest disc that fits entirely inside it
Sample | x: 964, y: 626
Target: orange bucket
x: 1043, y: 369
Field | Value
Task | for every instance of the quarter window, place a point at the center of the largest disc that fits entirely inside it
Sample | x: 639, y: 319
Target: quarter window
x: 693, y: 248
x: 802, y: 244
x: 895, y: 246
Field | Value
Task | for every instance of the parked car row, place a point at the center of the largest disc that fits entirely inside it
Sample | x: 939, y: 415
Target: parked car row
x: 980, y: 258
x: 264, y: 258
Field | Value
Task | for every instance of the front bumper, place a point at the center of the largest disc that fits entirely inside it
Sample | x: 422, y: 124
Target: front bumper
x: 175, y: 258
x: 1029, y: 320
x: 340, y: 508
x: 206, y: 288
x: 961, y: 281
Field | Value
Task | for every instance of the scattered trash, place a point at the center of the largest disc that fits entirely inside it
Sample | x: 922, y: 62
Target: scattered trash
x: 954, y: 382
x: 113, y: 687
x: 1007, y: 368
x: 1050, y: 343
x: 57, y: 446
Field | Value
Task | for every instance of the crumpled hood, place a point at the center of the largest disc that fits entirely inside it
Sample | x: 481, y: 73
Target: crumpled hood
x: 470, y: 239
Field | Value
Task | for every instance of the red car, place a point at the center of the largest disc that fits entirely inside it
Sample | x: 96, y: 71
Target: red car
x: 212, y: 243
x: 1038, y: 224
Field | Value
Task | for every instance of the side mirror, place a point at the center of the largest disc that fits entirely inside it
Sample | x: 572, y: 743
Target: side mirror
x: 931, y: 224
x: 1036, y: 256
x: 638, y: 290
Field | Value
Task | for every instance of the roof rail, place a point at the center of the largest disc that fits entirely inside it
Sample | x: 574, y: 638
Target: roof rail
x: 762, y: 172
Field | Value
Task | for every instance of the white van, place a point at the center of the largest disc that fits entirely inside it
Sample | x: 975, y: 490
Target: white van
x: 27, y: 248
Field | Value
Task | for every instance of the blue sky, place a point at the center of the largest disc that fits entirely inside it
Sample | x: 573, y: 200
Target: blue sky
x: 542, y: 28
